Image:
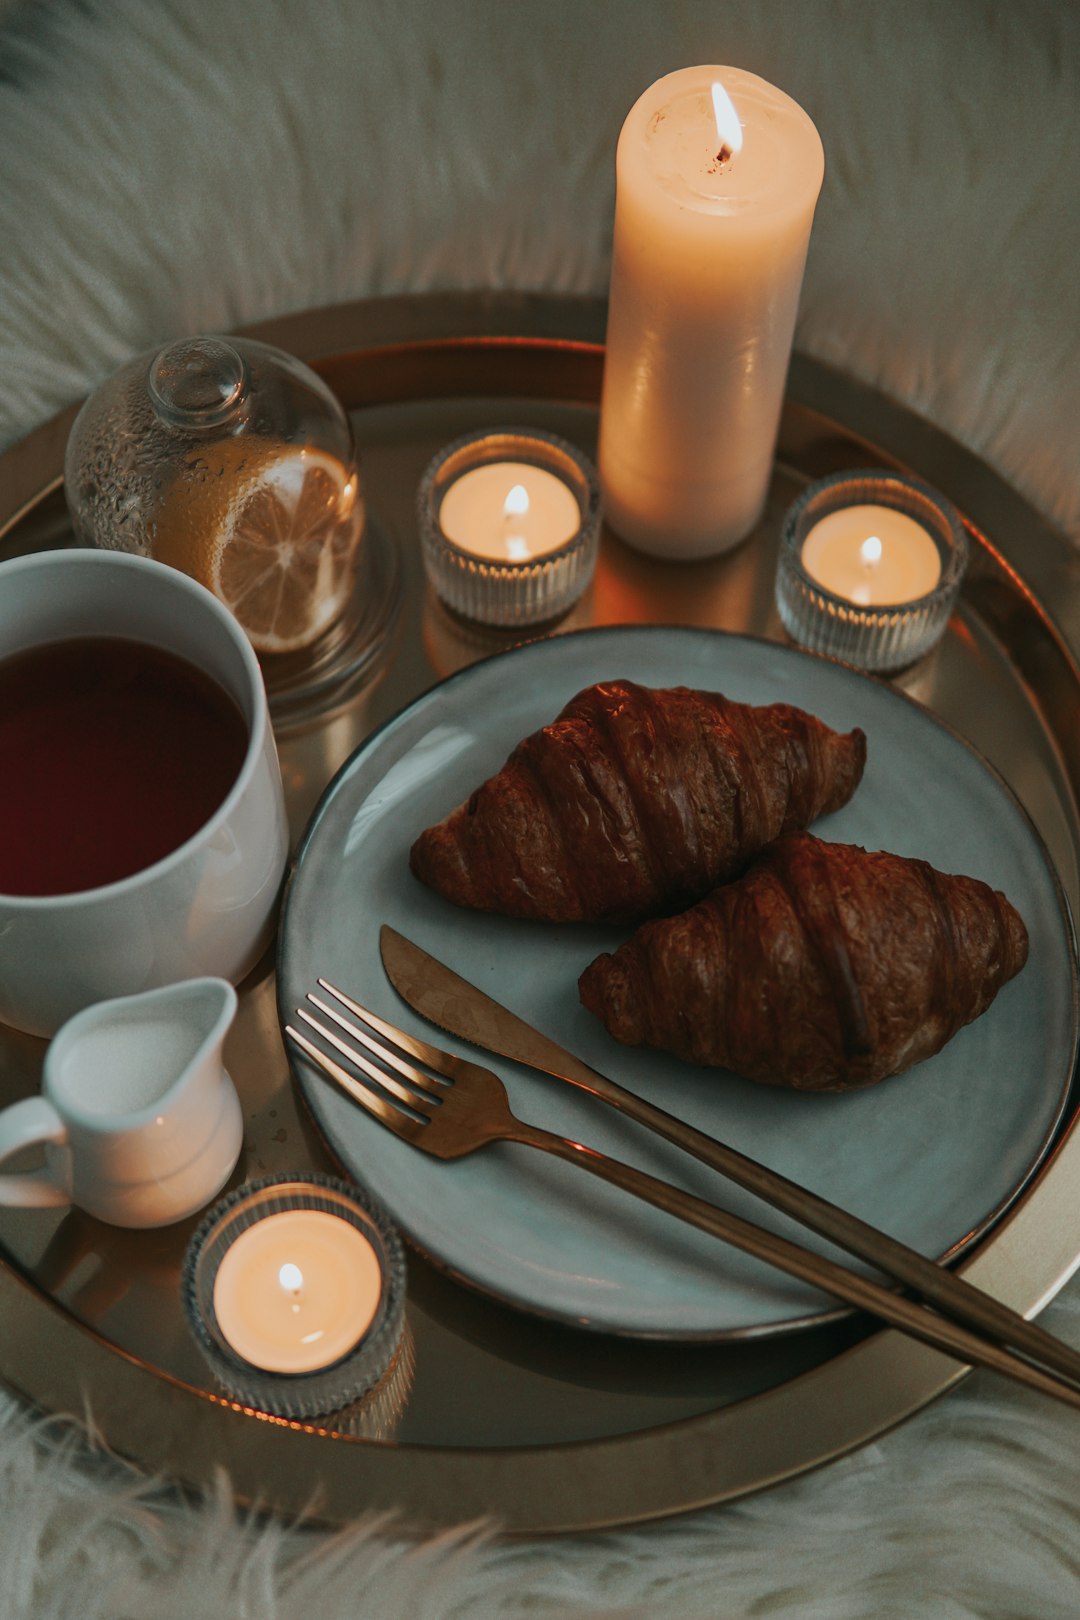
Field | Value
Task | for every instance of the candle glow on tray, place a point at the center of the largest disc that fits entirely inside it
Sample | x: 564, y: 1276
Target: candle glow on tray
x: 717, y: 178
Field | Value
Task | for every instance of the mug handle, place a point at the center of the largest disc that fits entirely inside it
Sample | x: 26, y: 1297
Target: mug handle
x: 21, y: 1125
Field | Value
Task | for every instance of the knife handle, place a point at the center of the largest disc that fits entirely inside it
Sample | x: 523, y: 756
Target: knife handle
x: 946, y: 1290
x: 911, y: 1317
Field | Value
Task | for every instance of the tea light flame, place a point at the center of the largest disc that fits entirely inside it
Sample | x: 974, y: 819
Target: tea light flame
x: 291, y: 1278
x: 728, y: 127
x: 870, y: 551
x: 516, y: 503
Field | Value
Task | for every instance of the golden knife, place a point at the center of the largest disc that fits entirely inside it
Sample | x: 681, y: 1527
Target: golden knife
x: 447, y: 1000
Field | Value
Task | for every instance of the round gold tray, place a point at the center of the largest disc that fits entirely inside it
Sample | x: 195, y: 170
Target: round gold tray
x: 539, y: 1427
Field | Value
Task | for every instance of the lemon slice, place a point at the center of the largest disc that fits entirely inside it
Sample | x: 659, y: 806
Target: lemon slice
x: 272, y: 530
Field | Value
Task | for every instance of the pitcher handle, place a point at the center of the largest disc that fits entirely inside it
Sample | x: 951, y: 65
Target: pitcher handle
x: 21, y: 1125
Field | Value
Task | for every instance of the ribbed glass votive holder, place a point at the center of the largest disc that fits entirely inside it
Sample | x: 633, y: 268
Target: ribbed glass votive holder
x: 926, y: 552
x: 264, y: 1287
x: 509, y: 526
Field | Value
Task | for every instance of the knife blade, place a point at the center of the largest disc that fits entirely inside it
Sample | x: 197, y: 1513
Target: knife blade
x: 452, y: 1003
x: 444, y: 998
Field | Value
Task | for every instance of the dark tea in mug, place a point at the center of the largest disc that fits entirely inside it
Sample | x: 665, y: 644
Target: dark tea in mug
x: 113, y: 753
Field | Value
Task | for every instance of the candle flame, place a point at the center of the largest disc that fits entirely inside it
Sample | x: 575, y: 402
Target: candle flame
x: 870, y: 551
x: 728, y: 128
x: 516, y: 503
x: 291, y: 1278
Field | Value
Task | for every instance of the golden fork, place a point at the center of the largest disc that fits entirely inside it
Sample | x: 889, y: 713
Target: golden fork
x: 450, y: 1107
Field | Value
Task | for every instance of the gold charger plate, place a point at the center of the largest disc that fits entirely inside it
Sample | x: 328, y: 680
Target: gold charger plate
x: 527, y: 1422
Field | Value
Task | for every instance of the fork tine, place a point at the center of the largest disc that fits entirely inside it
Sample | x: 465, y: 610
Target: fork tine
x: 412, y: 1044
x: 385, y: 1054
x: 414, y: 1100
x: 400, y: 1123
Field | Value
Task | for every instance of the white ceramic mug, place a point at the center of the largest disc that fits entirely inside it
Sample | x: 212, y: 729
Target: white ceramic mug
x: 207, y: 907
x: 140, y: 1123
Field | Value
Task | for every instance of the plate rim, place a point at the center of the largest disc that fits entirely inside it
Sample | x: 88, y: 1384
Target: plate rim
x: 955, y: 1251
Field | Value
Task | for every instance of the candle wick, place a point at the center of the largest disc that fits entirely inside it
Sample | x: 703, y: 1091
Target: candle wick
x: 728, y: 127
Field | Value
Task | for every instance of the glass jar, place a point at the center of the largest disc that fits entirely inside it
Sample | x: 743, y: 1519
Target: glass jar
x: 233, y: 461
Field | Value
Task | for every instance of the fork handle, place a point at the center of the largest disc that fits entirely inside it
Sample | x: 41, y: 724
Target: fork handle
x: 912, y: 1318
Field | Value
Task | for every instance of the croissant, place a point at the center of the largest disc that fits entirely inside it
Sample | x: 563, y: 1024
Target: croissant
x: 636, y: 802
x: 824, y: 968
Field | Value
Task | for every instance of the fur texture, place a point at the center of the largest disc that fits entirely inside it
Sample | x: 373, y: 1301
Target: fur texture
x: 190, y: 166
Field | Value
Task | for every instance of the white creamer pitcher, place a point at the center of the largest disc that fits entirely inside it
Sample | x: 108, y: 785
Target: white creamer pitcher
x: 140, y: 1122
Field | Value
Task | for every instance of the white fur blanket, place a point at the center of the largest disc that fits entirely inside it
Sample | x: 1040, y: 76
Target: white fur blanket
x: 171, y: 166
x: 186, y: 165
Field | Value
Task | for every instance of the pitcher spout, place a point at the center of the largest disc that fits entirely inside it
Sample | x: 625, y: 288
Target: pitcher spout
x: 128, y: 1055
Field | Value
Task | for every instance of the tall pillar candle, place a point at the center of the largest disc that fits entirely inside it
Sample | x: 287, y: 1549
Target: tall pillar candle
x: 717, y: 178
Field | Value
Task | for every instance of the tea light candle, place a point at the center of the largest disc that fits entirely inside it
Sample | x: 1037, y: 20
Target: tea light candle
x: 297, y: 1290
x: 509, y: 511
x: 509, y: 524
x: 872, y: 555
x: 717, y: 178
x: 869, y: 569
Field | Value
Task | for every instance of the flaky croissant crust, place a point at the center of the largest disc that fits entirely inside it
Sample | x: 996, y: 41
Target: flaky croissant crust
x: 824, y: 968
x: 635, y: 802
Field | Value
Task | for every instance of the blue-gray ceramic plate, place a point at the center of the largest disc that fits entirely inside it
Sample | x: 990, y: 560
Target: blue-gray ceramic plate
x: 932, y: 1156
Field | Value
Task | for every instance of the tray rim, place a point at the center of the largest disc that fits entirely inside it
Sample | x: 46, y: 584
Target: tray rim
x: 166, y: 1426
